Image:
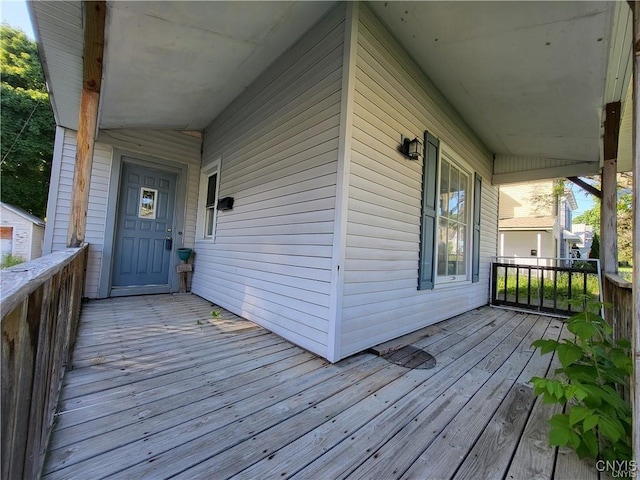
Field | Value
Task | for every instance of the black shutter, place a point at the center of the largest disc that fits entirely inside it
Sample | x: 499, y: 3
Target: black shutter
x: 429, y: 219
x: 477, y: 195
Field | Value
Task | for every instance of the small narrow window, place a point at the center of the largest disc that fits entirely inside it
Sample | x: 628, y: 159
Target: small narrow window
x: 210, y: 207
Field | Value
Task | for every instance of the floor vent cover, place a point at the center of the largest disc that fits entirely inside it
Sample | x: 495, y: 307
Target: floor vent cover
x: 411, y: 357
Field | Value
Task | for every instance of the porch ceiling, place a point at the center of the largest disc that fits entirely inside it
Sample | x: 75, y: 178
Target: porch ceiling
x: 178, y: 64
x: 529, y: 78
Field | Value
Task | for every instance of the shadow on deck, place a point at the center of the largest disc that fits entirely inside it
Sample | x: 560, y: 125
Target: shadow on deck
x: 159, y: 389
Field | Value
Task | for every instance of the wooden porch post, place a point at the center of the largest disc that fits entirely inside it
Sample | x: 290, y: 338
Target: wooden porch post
x: 95, y: 12
x: 635, y: 330
x: 609, y: 203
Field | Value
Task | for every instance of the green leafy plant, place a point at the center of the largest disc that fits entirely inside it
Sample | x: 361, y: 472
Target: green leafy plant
x: 11, y: 261
x: 216, y: 313
x: 590, y: 383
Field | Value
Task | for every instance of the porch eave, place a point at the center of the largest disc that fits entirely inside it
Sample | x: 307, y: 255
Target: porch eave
x: 171, y: 105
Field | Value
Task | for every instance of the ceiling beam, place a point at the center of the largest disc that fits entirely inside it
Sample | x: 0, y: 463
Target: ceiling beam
x: 586, y: 186
x: 95, y: 13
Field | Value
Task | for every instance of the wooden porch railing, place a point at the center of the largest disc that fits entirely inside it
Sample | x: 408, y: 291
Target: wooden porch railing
x: 40, y: 303
x: 618, y: 298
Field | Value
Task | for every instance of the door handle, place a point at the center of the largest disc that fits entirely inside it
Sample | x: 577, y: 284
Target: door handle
x: 168, y: 243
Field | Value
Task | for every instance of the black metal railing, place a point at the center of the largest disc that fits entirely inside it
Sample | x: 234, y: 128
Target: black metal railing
x: 551, y: 285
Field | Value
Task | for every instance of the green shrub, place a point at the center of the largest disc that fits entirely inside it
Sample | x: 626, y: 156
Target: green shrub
x: 595, y: 247
x: 595, y: 372
x: 11, y: 261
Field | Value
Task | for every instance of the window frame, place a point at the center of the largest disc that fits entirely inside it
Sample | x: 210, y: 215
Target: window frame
x: 203, y: 211
x: 454, y: 160
x: 430, y: 219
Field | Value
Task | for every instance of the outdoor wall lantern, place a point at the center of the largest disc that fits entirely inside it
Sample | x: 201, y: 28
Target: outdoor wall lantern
x: 411, y: 148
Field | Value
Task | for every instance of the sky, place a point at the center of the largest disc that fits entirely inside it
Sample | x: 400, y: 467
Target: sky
x: 584, y: 201
x: 14, y: 12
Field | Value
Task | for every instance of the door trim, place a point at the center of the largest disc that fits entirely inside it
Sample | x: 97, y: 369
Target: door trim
x: 106, y: 289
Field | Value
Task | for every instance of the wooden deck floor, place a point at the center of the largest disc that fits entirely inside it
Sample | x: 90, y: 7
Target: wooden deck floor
x: 161, y: 389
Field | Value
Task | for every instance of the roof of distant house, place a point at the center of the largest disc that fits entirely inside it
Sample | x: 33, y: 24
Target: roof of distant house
x: 23, y: 213
x: 571, y: 199
x: 527, y: 223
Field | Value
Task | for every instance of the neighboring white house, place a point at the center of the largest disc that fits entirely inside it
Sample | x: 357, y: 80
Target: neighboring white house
x: 267, y: 137
x: 21, y: 234
x: 535, y: 222
x: 585, y: 232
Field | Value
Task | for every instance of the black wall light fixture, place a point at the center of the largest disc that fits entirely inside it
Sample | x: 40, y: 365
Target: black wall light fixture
x: 410, y: 148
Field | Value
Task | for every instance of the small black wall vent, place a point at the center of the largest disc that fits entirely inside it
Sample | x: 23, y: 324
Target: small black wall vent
x: 225, y: 203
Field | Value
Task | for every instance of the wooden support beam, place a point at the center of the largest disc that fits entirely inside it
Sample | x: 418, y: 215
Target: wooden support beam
x: 586, y: 187
x: 95, y: 13
x: 635, y: 165
x: 612, y: 130
x: 609, y: 185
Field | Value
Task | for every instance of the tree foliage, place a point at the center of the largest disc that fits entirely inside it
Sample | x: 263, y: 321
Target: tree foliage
x: 27, y: 124
x: 595, y: 247
x: 590, y: 217
x: 624, y: 214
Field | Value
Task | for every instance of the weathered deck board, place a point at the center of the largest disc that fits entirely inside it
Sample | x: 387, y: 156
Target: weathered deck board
x: 486, y: 376
x: 160, y: 408
x: 491, y: 455
x: 168, y: 359
x: 224, y: 398
x: 454, y: 443
x: 409, y: 405
x: 403, y: 389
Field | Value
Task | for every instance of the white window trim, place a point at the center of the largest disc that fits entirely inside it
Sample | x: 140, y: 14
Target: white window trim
x: 201, y: 224
x: 455, y: 280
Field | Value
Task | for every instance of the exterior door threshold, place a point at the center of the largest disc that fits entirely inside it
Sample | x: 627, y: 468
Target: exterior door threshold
x: 139, y: 290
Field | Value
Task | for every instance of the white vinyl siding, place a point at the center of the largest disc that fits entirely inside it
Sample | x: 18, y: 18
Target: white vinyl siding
x: 393, y: 97
x: 174, y: 146
x: 96, y: 213
x: 37, y: 240
x: 278, y: 146
x: 27, y: 236
x: 529, y: 199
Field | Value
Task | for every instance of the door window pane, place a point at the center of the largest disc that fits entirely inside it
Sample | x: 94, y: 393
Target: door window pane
x: 148, y: 203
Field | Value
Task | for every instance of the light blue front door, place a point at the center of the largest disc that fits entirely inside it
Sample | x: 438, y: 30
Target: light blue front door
x: 144, y: 228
